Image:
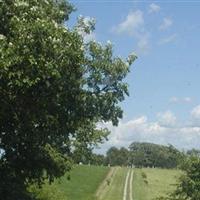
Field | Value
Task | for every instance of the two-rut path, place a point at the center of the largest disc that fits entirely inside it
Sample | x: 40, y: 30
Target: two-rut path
x: 117, y: 185
x: 128, y: 187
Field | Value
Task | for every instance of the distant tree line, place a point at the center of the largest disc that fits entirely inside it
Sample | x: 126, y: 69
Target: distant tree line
x: 138, y: 155
x: 154, y: 155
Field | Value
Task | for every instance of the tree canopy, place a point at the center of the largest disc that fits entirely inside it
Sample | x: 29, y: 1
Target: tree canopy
x: 54, y: 88
x: 154, y: 155
x: 145, y: 155
x: 117, y: 157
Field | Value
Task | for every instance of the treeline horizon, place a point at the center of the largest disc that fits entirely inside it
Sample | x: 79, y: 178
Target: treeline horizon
x: 138, y: 154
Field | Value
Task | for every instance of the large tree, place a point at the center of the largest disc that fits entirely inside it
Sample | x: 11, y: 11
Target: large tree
x: 54, y: 88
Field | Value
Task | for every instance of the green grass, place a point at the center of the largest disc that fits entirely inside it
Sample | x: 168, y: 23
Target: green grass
x: 159, y: 182
x: 116, y: 188
x: 139, y: 186
x: 84, y: 182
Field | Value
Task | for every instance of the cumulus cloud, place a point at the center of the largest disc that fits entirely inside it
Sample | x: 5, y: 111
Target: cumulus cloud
x: 165, y: 130
x: 166, y: 23
x: 167, y: 119
x: 133, y: 25
x: 196, y: 112
x: 137, y: 129
x: 154, y: 8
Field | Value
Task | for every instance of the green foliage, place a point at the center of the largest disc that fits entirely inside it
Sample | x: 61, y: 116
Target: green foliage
x: 115, y: 156
x: 189, y: 183
x: 144, y: 175
x: 145, y: 155
x: 193, y: 152
x: 153, y: 155
x: 46, y: 192
x: 54, y: 88
x: 98, y: 159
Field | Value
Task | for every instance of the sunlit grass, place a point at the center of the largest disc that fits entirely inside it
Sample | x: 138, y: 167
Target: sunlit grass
x: 159, y: 182
x: 84, y: 182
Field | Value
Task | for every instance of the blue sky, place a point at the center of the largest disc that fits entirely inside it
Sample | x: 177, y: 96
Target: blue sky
x: 163, y: 106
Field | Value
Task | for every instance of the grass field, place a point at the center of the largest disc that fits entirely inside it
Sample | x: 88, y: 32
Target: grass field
x: 158, y: 182
x: 83, y: 184
x: 103, y: 183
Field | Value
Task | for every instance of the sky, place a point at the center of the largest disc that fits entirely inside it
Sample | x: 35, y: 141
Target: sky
x: 164, y: 102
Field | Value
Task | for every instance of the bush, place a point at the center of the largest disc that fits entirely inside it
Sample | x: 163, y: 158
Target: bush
x: 46, y: 192
x: 144, y: 176
x: 146, y: 182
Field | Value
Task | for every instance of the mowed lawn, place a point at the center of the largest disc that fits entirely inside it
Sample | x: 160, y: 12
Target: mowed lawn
x: 83, y: 184
x: 151, y: 183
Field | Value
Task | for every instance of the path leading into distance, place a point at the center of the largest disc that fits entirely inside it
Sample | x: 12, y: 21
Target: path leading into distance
x: 128, y: 187
x: 120, y: 185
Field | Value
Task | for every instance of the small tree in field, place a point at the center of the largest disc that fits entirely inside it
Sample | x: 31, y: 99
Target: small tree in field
x: 54, y: 88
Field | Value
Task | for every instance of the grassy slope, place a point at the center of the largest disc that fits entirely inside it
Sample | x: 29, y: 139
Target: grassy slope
x: 82, y: 185
x: 84, y: 182
x: 160, y: 182
x: 116, y: 188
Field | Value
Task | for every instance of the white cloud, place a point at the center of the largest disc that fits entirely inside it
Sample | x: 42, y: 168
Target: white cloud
x: 196, y: 112
x: 167, y: 119
x: 133, y: 25
x: 166, y: 23
x: 133, y: 22
x: 168, y: 39
x: 165, y: 130
x: 154, y: 8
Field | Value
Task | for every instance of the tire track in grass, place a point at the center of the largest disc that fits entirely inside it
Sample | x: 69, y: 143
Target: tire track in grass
x: 131, y: 186
x: 126, y: 186
x: 116, y: 188
x: 103, y: 187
